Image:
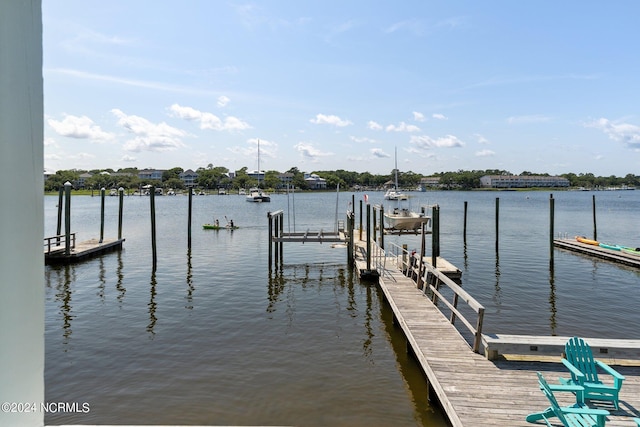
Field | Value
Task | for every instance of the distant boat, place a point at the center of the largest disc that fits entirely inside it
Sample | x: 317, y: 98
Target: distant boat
x: 395, y: 194
x: 242, y: 192
x: 255, y: 193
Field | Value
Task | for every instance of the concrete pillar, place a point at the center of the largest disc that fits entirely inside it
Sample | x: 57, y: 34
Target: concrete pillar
x: 21, y: 212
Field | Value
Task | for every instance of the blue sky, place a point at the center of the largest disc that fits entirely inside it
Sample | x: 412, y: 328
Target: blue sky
x: 540, y: 86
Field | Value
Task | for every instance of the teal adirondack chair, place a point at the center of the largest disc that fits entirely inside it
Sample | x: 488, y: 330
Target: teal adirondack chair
x: 584, y: 372
x: 577, y: 415
x: 637, y: 420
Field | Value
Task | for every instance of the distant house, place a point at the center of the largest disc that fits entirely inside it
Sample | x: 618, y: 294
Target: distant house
x: 315, y: 182
x: 429, y: 181
x: 257, y: 175
x: 150, y: 174
x: 189, y: 177
x: 285, y: 178
x: 522, y: 181
x: 80, y: 183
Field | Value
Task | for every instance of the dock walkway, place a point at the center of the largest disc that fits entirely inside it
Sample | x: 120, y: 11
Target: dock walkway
x: 472, y: 390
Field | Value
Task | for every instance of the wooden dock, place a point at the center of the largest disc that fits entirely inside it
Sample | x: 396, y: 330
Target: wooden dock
x: 598, y: 252
x: 81, y: 251
x: 471, y: 389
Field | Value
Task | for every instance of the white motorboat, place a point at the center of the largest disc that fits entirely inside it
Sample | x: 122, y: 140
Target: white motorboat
x: 405, y: 219
x: 257, y: 195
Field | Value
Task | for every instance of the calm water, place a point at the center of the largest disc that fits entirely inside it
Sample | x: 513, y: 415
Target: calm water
x: 213, y: 337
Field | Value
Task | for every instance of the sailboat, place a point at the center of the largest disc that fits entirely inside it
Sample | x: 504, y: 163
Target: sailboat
x: 395, y: 194
x: 255, y: 193
x: 402, y: 218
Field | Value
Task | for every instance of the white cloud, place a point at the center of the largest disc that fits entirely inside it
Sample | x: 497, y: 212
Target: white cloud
x: 535, y: 118
x: 402, y: 127
x: 377, y: 152
x: 330, y: 120
x: 418, y: 117
x: 374, y: 126
x: 208, y: 120
x: 439, y: 116
x: 425, y: 142
x: 128, y: 158
x: 362, y: 139
x: 79, y: 127
x: 485, y: 153
x: 481, y: 139
x: 149, y: 136
x: 308, y: 151
x: 223, y: 101
x: 625, y: 132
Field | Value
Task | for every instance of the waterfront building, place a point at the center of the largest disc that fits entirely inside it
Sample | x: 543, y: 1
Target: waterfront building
x: 522, y: 181
x: 189, y: 177
x: 315, y: 182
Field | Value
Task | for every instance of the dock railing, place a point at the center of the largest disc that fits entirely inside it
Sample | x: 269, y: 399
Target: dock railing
x: 434, y: 281
x: 55, y: 243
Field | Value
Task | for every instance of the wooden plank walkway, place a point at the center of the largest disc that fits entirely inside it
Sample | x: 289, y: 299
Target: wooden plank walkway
x: 472, y: 390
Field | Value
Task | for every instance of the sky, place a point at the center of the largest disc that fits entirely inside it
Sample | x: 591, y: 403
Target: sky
x: 537, y: 86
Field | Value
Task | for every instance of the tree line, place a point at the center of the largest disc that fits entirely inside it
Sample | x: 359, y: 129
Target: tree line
x: 213, y: 177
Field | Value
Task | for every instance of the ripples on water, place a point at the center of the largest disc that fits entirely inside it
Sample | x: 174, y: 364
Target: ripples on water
x: 212, y: 337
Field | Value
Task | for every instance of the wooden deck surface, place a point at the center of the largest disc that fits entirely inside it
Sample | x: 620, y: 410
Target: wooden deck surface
x: 472, y: 390
x: 83, y: 250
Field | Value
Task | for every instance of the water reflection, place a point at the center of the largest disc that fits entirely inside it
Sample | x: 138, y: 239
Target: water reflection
x: 552, y: 301
x: 102, y: 280
x: 120, y: 276
x: 152, y: 304
x: 64, y: 276
x: 497, y: 291
x: 190, y: 287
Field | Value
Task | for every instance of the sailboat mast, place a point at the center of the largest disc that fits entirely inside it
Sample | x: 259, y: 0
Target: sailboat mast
x: 396, y: 170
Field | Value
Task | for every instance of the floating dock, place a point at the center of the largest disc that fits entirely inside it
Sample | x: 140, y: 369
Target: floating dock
x: 81, y: 251
x: 471, y: 389
x: 598, y: 252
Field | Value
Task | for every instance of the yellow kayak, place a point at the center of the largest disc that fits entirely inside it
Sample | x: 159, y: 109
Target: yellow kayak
x: 583, y: 239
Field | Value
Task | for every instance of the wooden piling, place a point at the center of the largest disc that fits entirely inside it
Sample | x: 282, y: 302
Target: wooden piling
x: 152, y: 205
x: 595, y: 227
x: 120, y: 208
x: 368, y: 237
x: 271, y: 243
x: 275, y: 244
x: 464, y: 227
x: 59, y: 225
x: 551, y: 229
x: 360, y: 219
x: 67, y: 218
x: 382, y: 227
x: 102, y: 191
x: 435, y: 235
x: 497, y: 221
x: 189, y: 217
